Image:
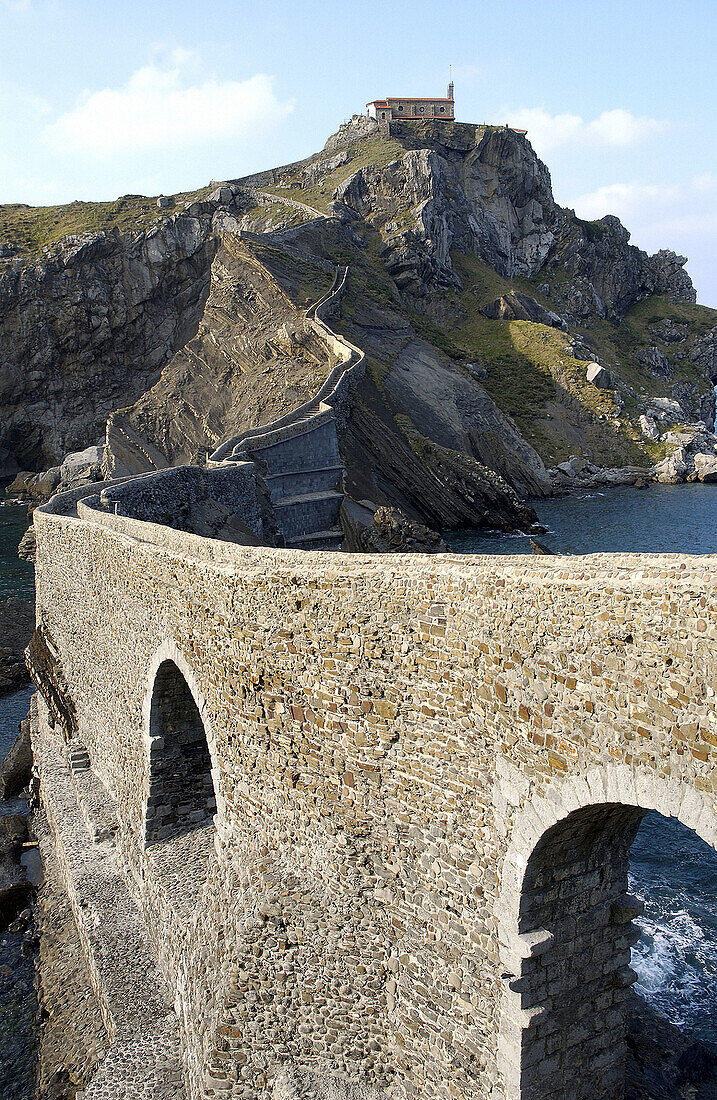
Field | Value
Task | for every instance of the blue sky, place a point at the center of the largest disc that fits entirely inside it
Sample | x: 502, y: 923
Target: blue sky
x: 98, y: 100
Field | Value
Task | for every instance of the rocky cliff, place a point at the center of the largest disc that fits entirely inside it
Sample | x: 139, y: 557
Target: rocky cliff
x: 503, y: 334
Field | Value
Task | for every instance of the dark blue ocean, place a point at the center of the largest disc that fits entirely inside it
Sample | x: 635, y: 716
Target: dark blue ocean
x: 672, y: 870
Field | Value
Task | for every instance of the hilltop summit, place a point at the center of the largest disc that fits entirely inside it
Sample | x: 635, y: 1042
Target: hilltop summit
x: 503, y: 334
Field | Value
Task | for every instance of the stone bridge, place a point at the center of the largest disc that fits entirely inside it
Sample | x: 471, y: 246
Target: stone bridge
x: 353, y: 826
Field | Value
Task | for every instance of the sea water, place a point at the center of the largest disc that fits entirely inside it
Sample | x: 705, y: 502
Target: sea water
x: 671, y: 869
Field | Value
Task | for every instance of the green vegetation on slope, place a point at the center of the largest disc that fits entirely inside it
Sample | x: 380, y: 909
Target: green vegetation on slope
x: 32, y: 228
x: 531, y: 374
x: 304, y: 282
x: 377, y: 151
x: 618, y: 344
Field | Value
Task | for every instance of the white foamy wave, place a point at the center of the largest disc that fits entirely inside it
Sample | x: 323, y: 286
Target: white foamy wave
x: 673, y: 959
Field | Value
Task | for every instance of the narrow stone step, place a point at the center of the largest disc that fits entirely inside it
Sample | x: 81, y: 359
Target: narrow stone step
x: 307, y: 498
x: 79, y: 760
x: 304, y: 542
x: 291, y: 471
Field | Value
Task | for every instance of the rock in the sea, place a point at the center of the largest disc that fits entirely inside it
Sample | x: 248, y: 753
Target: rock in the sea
x: 387, y: 531
x: 580, y: 473
x: 17, y: 622
x: 540, y: 549
x: 16, y: 768
x: 673, y: 469
x: 77, y: 468
x: 26, y: 546
x: 598, y: 376
x: 29, y: 485
x: 706, y: 467
x: 15, y: 887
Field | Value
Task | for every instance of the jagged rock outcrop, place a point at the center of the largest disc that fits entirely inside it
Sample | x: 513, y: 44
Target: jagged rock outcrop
x: 27, y: 546
x: 88, y: 328
x: 693, y: 457
x: 474, y: 295
x: 482, y: 190
x: 704, y: 354
x: 521, y: 307
x: 387, y: 531
x: 391, y: 463
x: 17, y: 622
x: 78, y: 468
x: 473, y: 189
x: 607, y: 274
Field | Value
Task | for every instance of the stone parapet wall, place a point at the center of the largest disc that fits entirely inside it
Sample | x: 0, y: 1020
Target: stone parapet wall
x: 389, y: 738
x: 331, y: 392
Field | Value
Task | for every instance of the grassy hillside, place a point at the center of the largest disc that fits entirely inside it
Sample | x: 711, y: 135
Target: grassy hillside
x: 31, y: 228
x: 376, y: 151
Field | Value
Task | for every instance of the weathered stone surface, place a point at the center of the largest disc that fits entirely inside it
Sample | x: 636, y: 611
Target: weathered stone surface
x: 15, y: 769
x: 598, y: 376
x: 17, y: 622
x: 392, y: 740
x: 521, y: 307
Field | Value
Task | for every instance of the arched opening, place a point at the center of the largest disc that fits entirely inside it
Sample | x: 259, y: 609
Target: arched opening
x: 585, y: 1033
x: 575, y: 987
x: 181, y: 791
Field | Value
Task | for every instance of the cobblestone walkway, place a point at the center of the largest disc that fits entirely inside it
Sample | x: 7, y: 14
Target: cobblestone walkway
x: 143, y: 1062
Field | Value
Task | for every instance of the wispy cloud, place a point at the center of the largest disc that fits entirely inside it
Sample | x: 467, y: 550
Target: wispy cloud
x: 692, y: 205
x: 165, y: 106
x: 682, y: 217
x: 626, y: 200
x: 616, y: 128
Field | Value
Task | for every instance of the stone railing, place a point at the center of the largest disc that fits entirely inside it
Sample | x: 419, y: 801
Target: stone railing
x: 329, y: 396
x: 283, y: 200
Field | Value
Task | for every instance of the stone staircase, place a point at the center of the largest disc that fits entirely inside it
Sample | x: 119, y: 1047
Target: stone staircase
x: 297, y: 455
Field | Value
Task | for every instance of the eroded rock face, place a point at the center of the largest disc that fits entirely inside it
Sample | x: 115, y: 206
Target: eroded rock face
x: 252, y: 358
x: 483, y: 191
x: 88, y: 328
x: 704, y: 354
x: 17, y: 622
x: 480, y: 191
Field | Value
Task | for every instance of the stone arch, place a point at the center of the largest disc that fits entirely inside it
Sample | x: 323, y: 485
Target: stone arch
x: 561, y: 1019
x: 181, y: 752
